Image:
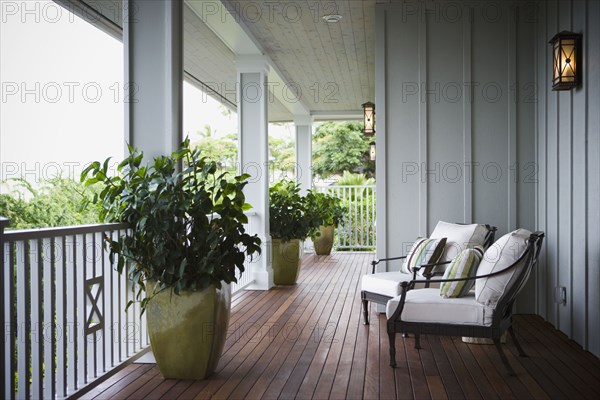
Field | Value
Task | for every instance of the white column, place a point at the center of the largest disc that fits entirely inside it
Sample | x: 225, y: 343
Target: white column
x: 153, y: 87
x: 304, y: 151
x: 252, y: 99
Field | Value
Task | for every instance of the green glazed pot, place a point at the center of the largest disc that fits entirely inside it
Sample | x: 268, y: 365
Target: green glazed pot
x: 324, y: 242
x: 286, y: 261
x: 188, y: 331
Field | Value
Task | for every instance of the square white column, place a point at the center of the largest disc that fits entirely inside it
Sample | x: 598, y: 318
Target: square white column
x: 303, y: 125
x: 252, y: 98
x: 153, y: 43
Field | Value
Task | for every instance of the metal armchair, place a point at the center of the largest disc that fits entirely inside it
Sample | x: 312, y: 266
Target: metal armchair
x: 423, y: 311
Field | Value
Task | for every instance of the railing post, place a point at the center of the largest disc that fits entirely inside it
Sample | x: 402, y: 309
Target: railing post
x: 3, y: 383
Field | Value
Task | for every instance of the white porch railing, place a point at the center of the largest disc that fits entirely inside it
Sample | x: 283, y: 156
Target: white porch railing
x: 357, y: 229
x: 63, y: 308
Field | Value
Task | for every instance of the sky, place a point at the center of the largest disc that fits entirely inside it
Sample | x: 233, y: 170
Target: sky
x: 62, y: 94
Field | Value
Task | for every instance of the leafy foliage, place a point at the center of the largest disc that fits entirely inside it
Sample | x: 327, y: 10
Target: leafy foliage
x: 187, y: 226
x: 56, y: 202
x: 327, y: 208
x: 289, y: 214
x: 283, y: 153
x: 222, y: 150
x: 350, y: 179
x: 339, y: 147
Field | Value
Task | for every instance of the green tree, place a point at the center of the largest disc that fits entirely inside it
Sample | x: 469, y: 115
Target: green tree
x: 57, y: 202
x: 339, y: 147
x: 222, y: 150
x: 283, y: 154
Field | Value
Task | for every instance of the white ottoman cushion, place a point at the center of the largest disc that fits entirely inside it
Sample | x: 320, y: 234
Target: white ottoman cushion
x: 426, y: 305
x: 385, y: 283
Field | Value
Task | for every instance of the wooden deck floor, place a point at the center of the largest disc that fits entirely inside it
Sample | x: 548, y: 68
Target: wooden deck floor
x: 308, y: 341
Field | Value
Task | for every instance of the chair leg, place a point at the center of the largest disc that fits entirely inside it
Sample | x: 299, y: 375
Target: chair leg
x: 417, y: 341
x: 392, y: 337
x: 517, y: 344
x: 498, y: 345
x: 365, y: 304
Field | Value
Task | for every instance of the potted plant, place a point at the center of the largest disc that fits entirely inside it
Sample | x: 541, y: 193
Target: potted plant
x: 330, y: 211
x: 290, y: 222
x: 186, y: 241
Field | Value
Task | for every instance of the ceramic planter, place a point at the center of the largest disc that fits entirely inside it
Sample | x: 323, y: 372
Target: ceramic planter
x: 187, y: 332
x: 286, y: 261
x: 324, y: 242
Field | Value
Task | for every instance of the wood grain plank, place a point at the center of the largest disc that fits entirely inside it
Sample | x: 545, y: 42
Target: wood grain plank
x: 387, y: 384
x: 415, y: 367
x: 459, y: 370
x: 333, y: 355
x: 451, y: 383
x: 286, y: 330
x: 479, y: 377
x: 371, y: 389
x: 115, y: 388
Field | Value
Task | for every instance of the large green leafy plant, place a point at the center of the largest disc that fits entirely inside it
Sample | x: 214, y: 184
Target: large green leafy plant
x: 187, y: 224
x: 289, y: 212
x: 327, y: 209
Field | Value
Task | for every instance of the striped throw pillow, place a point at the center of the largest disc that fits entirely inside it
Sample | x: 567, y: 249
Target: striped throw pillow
x: 423, y: 251
x: 464, y: 265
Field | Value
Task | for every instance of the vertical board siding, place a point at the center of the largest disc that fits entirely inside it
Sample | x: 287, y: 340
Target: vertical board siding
x: 592, y: 116
x: 455, y: 157
x: 568, y: 151
x: 524, y: 172
x: 444, y: 92
x: 467, y: 115
x: 552, y: 174
x: 541, y: 52
x: 579, y: 220
x: 565, y: 209
x: 546, y: 143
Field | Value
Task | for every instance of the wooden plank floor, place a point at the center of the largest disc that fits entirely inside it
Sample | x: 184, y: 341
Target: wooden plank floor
x: 308, y: 341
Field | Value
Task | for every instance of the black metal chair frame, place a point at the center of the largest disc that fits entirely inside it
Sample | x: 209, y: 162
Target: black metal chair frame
x: 428, y: 273
x: 501, y: 320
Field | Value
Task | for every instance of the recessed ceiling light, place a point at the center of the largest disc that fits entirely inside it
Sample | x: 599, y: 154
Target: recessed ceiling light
x: 332, y: 18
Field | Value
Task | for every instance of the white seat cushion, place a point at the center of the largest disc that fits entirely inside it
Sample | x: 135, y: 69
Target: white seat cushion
x: 385, y: 283
x: 458, y: 237
x: 501, y: 255
x: 426, y: 305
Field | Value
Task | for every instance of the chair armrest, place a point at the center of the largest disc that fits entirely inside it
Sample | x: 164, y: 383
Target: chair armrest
x: 377, y: 261
x: 428, y: 268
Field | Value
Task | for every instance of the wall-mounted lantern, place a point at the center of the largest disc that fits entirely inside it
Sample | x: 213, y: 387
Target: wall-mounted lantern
x: 566, y: 64
x: 372, y: 153
x: 369, y: 116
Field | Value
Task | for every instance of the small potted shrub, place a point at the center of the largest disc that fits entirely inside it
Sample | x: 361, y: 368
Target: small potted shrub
x: 329, y: 211
x: 186, y: 241
x: 290, y: 223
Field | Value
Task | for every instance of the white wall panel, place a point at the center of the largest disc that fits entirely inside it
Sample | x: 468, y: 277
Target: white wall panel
x: 568, y: 151
x: 535, y: 152
x: 453, y: 125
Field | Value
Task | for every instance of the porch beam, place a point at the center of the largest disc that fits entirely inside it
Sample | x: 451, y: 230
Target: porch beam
x: 252, y: 99
x: 153, y: 44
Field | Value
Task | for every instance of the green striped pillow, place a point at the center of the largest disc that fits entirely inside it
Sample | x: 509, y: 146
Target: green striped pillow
x: 423, y: 251
x: 464, y: 265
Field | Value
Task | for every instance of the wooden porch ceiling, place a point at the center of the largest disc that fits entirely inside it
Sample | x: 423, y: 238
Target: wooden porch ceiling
x: 308, y: 341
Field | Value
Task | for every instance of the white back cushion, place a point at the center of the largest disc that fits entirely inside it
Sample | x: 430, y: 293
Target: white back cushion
x: 501, y: 255
x: 458, y: 237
